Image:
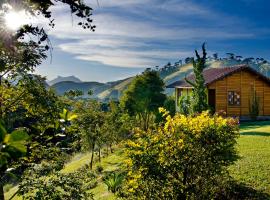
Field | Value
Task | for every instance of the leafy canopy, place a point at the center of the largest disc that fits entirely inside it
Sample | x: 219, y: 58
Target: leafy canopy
x: 144, y: 96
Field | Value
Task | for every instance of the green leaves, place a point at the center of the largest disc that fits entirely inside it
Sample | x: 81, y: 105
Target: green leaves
x: 114, y: 182
x: 67, y: 116
x: 13, y: 145
x: 3, y: 132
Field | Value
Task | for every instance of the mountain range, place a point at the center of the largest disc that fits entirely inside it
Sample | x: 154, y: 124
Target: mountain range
x: 169, y: 73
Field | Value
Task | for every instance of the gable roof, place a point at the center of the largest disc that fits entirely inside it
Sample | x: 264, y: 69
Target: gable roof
x: 213, y: 74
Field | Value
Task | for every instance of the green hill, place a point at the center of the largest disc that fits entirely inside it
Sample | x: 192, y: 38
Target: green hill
x: 169, y: 73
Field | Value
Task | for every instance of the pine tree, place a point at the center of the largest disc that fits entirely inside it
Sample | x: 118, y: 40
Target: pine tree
x: 199, y: 92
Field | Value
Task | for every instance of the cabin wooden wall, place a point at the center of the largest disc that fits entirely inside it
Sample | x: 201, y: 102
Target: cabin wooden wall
x: 242, y: 82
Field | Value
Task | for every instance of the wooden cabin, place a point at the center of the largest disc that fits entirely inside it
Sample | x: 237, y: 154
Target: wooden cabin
x: 231, y: 89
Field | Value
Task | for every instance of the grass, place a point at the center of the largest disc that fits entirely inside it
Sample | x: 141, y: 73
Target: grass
x: 253, y: 167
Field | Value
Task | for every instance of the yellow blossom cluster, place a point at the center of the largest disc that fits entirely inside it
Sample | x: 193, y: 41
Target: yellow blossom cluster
x: 180, y: 140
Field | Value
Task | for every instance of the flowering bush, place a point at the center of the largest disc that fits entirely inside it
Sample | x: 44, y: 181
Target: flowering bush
x: 186, y: 158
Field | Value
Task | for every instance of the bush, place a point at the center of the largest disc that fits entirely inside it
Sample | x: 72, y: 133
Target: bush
x: 185, y: 104
x: 187, y: 158
x: 57, y: 185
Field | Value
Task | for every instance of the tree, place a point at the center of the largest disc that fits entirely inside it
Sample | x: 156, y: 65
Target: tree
x: 90, y: 121
x: 188, y: 60
x: 215, y: 56
x: 72, y: 94
x: 42, y: 9
x: 143, y: 97
x: 231, y: 56
x: 199, y: 93
x: 239, y: 58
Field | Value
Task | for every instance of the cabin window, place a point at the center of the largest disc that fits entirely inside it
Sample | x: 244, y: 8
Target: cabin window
x: 234, y: 98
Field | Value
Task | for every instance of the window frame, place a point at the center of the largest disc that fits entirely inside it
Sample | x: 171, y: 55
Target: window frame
x: 234, y: 93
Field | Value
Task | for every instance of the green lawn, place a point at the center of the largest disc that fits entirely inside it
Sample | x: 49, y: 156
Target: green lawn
x: 253, y: 168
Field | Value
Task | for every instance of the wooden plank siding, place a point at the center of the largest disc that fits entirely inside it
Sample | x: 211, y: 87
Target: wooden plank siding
x: 242, y: 82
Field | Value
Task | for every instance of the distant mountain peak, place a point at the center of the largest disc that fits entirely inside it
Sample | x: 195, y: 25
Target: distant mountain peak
x: 64, y: 78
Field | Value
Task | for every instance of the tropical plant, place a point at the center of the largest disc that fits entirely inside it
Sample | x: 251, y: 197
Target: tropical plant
x: 114, y: 182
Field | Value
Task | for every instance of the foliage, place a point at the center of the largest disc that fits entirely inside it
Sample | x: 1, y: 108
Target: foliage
x: 90, y: 121
x: 200, y: 97
x: 185, y: 104
x: 187, y: 158
x: 20, y: 61
x: 43, y: 9
x: 28, y: 102
x: 169, y: 105
x: 144, y: 96
x: 99, y: 169
x: 114, y: 182
x: 254, y: 105
x: 58, y: 185
x: 73, y: 93
x: 13, y: 146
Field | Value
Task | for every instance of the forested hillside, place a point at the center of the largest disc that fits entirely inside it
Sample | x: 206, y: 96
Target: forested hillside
x: 169, y: 73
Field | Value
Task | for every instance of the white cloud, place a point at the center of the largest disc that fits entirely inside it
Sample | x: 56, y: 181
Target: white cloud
x: 115, y: 55
x: 123, y: 40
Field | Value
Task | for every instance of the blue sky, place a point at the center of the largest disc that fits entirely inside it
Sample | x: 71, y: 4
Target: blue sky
x: 134, y: 34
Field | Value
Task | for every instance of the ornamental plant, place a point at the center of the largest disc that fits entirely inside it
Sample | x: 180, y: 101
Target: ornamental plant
x: 186, y: 158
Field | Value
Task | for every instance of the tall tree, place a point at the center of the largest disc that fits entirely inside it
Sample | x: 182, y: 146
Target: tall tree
x: 144, y: 96
x: 199, y: 93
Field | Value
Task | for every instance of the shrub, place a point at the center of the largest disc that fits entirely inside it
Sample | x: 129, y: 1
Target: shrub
x: 57, y: 185
x: 185, y: 104
x: 187, y: 158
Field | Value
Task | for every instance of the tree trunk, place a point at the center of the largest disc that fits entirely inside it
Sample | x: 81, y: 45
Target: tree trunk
x: 111, y: 148
x: 107, y: 149
x: 92, y: 157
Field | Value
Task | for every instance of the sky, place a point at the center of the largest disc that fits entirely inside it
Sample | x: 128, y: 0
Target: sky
x: 132, y: 35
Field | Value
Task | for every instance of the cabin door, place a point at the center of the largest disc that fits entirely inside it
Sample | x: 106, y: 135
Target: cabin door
x: 212, y: 99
